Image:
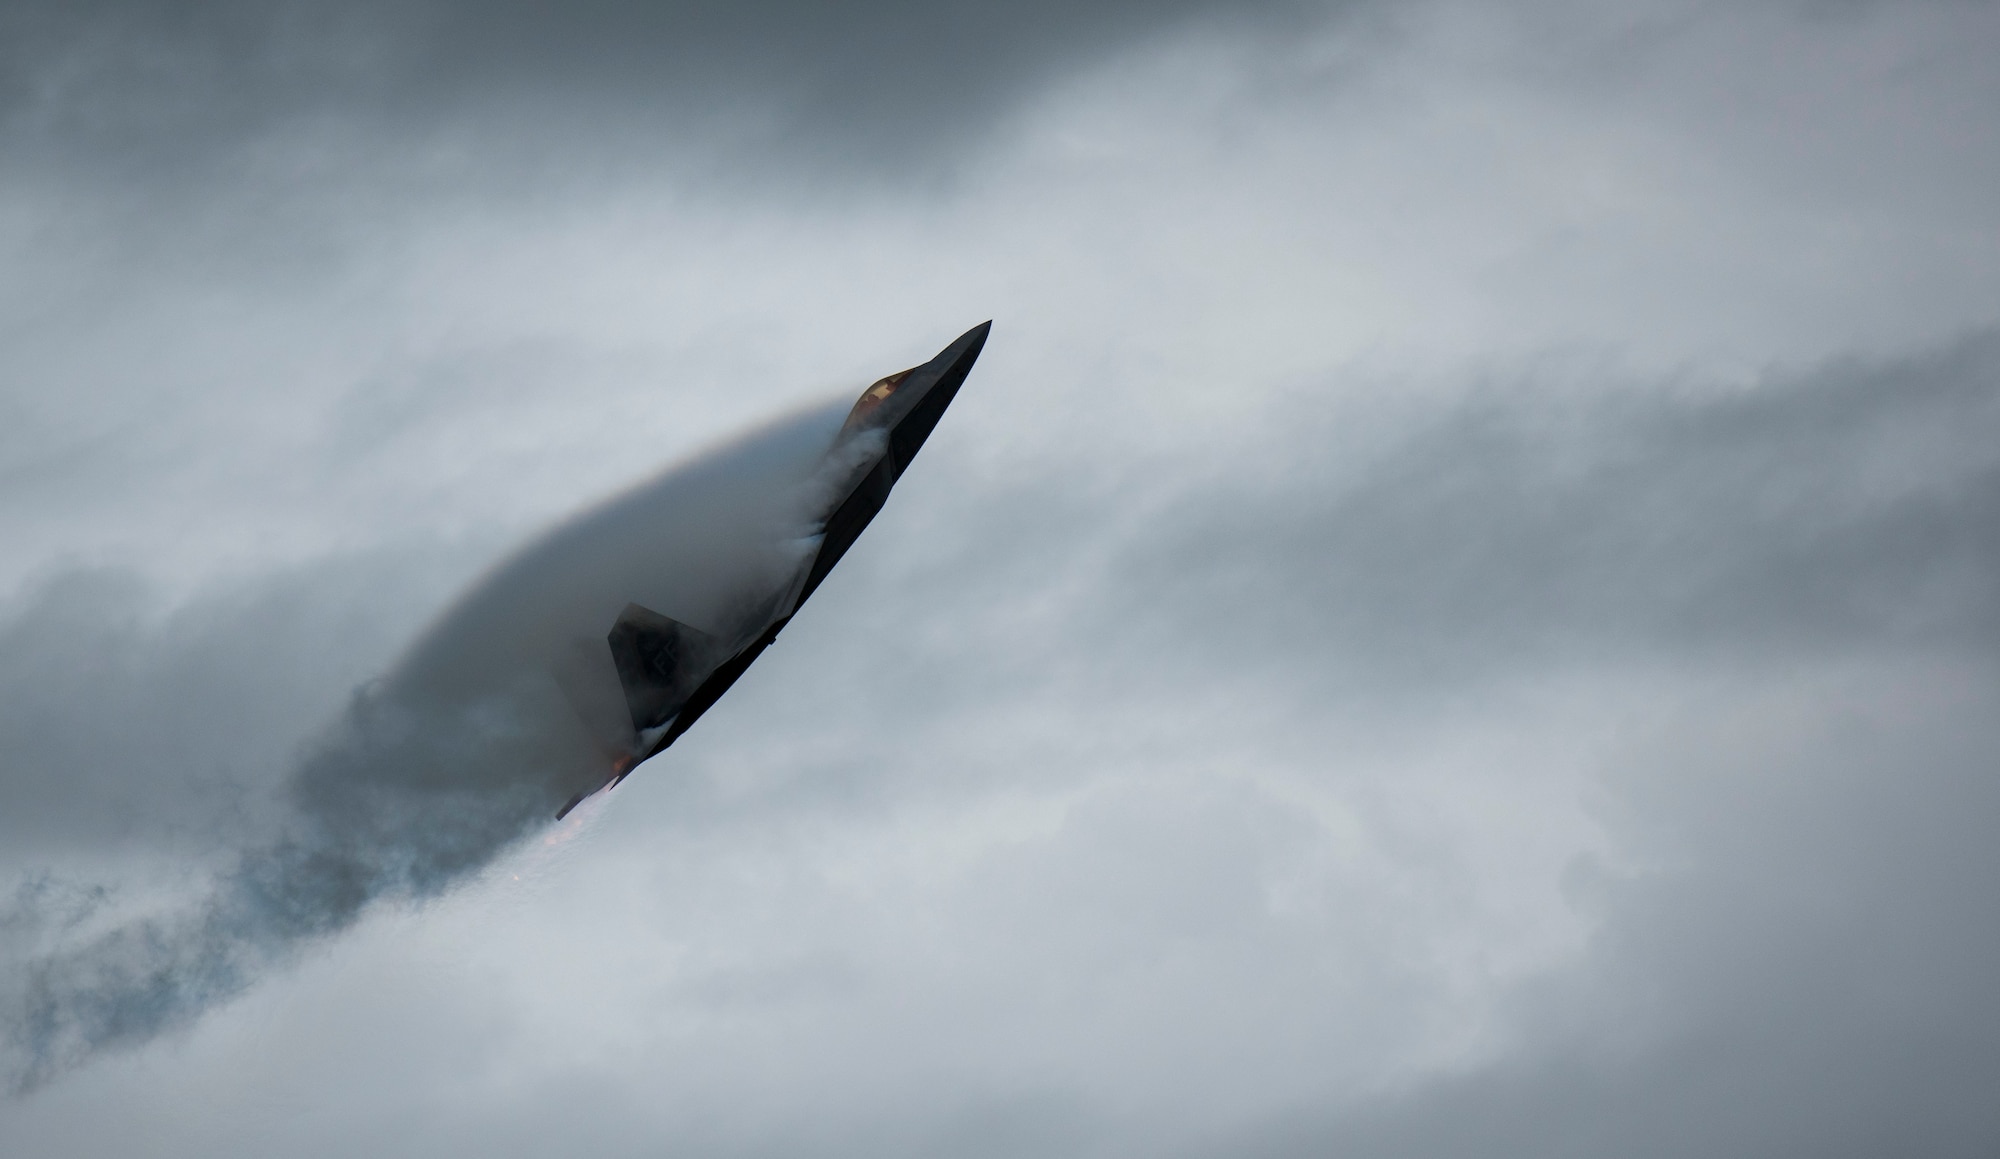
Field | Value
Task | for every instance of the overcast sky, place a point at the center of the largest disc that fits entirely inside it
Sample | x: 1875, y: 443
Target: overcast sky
x: 1457, y: 615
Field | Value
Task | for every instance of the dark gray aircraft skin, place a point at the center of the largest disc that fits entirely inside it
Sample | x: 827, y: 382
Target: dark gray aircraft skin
x: 671, y: 672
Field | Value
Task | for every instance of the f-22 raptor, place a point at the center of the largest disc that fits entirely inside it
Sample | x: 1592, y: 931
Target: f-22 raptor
x: 672, y: 672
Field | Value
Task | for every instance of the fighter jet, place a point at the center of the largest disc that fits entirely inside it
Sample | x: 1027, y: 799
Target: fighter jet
x: 671, y: 673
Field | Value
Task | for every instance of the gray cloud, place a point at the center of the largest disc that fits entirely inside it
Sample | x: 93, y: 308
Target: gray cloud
x: 1810, y: 973
x: 150, y: 91
x: 126, y: 724
x: 1801, y: 964
x: 1849, y: 509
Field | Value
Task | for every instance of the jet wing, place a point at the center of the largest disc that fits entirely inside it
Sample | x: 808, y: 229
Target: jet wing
x: 661, y: 662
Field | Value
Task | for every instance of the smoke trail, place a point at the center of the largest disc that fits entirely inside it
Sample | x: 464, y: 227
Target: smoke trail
x: 493, y: 719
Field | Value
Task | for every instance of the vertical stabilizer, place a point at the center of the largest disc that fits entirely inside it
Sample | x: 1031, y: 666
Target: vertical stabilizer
x: 660, y: 662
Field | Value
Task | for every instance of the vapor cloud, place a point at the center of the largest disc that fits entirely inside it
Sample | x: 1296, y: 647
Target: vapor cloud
x: 471, y: 742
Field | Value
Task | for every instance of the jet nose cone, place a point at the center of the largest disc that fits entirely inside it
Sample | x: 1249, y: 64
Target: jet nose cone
x: 963, y: 351
x: 951, y: 364
x: 955, y: 361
